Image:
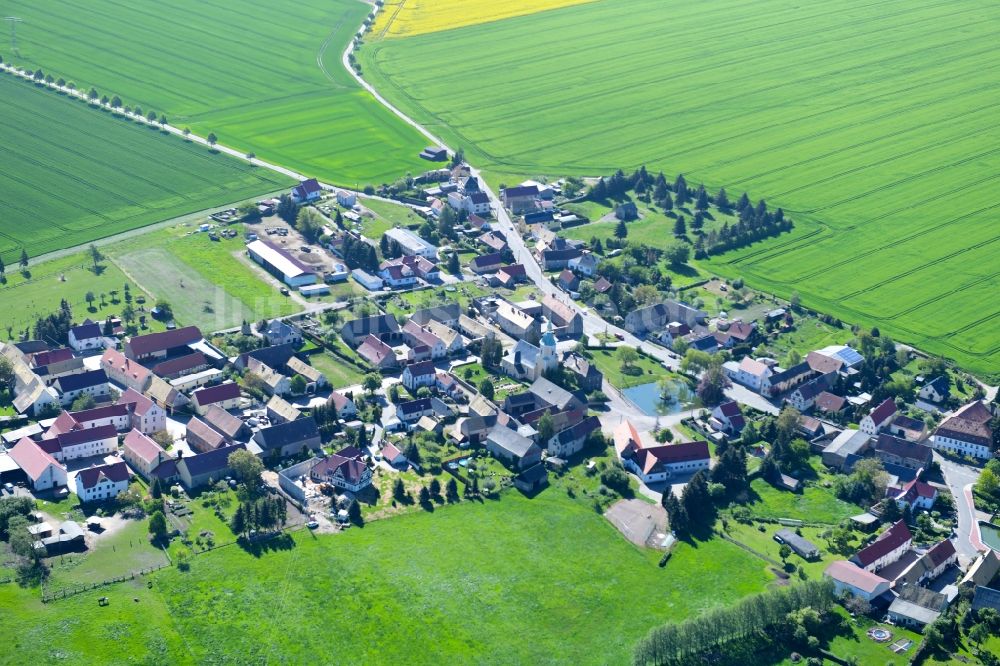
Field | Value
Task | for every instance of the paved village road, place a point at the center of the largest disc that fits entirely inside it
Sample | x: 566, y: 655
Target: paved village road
x: 960, y: 479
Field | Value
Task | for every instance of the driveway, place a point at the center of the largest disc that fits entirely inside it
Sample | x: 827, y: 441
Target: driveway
x: 960, y: 479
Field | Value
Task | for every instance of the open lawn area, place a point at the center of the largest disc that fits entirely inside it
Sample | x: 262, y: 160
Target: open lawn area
x: 338, y: 372
x: 814, y: 504
x: 71, y: 174
x: 22, y: 300
x: 204, y: 280
x: 125, y: 550
x: 262, y: 77
x: 387, y: 215
x: 470, y: 577
x: 872, y: 139
x: 642, y: 371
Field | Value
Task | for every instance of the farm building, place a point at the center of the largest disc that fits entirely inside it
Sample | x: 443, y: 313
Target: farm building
x: 412, y: 244
x: 102, y: 482
x: 281, y: 264
x: 803, y: 547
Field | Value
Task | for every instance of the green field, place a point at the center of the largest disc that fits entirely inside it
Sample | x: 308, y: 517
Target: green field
x: 70, y: 174
x: 873, y: 124
x: 204, y: 281
x: 458, y: 586
x: 265, y: 77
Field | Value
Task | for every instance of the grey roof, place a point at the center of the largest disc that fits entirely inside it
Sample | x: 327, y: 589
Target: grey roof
x: 82, y: 380
x: 552, y: 394
x: 414, y: 406
x: 283, y: 434
x: 986, y: 597
x: 940, y: 384
x: 794, y: 371
x: 908, y: 609
x: 207, y: 463
x: 279, y: 328
x: 440, y: 313
x: 517, y: 445
x: 798, y: 544
x: 374, y: 325
x: 524, y: 353
x: 846, y: 443
x: 274, y: 356
x: 579, y: 429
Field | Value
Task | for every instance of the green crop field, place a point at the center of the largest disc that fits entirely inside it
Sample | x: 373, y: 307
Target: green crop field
x: 70, y: 174
x: 264, y: 76
x: 873, y: 124
x: 468, y: 582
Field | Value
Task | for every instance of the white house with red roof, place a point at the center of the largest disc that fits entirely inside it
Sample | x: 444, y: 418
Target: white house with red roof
x: 102, y: 482
x: 392, y: 455
x: 84, y: 443
x: 344, y: 469
x: 852, y: 579
x: 626, y: 439
x: 886, y: 549
x: 749, y: 372
x: 117, y: 416
x: 306, y: 191
x: 659, y: 463
x: 966, y: 432
x: 879, y: 418
x: 143, y: 454
x: 415, y: 335
x: 42, y: 469
x: 346, y: 409
x: 147, y: 416
x: 728, y: 418
x: 916, y: 494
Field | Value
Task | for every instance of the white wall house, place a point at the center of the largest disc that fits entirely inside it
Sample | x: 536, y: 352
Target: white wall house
x: 102, y: 482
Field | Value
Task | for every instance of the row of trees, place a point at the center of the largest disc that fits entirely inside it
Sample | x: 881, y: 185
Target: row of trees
x: 23, y: 263
x: 695, y: 511
x: 689, y: 641
x: 263, y: 514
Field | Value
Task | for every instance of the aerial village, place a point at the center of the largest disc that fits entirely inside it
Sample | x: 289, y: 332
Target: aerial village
x: 515, y: 371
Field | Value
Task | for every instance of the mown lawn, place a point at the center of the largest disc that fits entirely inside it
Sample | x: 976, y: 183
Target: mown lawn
x: 814, y: 504
x: 642, y: 371
x: 454, y: 585
x: 338, y: 373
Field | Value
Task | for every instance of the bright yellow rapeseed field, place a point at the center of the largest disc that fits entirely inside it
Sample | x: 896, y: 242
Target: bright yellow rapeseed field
x: 405, y: 18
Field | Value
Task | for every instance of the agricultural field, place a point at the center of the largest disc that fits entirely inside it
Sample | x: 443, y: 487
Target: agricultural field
x: 71, y: 174
x: 264, y: 77
x: 467, y: 581
x: 405, y: 18
x: 876, y: 139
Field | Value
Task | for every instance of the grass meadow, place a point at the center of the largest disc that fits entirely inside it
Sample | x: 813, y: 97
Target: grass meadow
x: 205, y: 281
x: 71, y: 174
x: 264, y: 77
x: 873, y: 125
x: 458, y: 586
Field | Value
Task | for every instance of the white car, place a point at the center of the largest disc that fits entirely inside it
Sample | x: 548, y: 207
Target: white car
x: 312, y: 524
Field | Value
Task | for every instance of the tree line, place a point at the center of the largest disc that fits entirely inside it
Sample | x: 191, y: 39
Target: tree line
x: 687, y: 642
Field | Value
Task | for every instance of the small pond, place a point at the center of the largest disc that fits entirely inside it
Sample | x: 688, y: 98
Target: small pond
x: 662, y: 398
x: 990, y: 534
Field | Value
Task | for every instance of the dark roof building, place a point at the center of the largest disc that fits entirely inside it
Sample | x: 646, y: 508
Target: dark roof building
x: 290, y: 438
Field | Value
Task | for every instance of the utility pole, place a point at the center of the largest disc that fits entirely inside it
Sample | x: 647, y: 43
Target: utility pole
x: 13, y: 20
